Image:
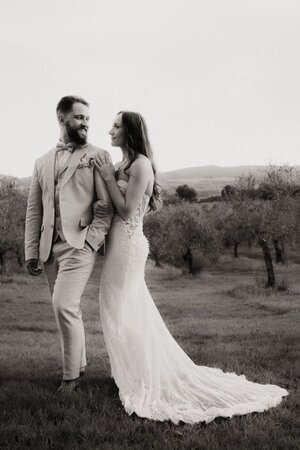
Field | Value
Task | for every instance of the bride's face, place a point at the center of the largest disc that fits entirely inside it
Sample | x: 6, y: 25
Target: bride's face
x: 117, y: 132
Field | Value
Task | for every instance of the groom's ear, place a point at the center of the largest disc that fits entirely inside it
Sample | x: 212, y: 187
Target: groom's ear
x: 60, y: 118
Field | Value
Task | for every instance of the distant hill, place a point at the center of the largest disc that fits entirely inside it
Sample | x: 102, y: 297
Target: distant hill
x: 207, y: 180
x: 212, y: 172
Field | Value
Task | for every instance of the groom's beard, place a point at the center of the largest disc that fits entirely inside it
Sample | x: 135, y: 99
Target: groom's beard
x: 76, y: 135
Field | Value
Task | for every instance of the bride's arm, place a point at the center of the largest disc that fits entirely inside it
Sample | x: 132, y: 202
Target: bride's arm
x: 139, y: 176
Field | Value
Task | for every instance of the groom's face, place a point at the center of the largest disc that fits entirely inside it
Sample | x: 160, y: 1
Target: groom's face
x: 76, y: 123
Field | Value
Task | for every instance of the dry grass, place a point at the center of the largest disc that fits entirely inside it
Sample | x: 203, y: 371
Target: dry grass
x: 222, y: 318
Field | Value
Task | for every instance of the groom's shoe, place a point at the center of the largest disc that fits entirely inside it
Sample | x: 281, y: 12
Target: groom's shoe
x: 68, y: 386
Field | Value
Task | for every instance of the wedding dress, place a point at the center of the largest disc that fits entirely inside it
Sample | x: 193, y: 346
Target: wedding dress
x: 155, y: 377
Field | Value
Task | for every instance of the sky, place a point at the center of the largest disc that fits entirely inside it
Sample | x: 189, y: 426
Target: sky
x: 216, y: 80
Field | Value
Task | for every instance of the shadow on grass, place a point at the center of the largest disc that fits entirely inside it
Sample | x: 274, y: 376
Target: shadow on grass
x: 88, y: 382
x: 32, y: 329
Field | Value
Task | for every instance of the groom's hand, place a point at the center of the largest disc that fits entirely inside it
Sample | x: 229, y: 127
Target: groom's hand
x: 32, y: 265
x: 101, y: 209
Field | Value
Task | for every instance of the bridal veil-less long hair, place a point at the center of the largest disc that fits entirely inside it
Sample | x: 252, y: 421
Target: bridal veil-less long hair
x: 137, y: 143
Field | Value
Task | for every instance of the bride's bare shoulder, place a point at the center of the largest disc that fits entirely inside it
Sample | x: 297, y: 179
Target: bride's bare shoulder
x: 142, y: 163
x: 141, y: 168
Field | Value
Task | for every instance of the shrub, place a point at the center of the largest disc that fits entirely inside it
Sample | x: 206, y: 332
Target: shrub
x: 186, y: 193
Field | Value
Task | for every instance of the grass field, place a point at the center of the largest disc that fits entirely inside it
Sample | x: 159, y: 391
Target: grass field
x: 222, y: 318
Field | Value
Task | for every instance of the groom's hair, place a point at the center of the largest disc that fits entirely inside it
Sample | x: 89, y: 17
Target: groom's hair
x: 65, y: 104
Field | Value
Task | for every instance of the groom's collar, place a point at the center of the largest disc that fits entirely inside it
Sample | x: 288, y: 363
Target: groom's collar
x: 70, y: 145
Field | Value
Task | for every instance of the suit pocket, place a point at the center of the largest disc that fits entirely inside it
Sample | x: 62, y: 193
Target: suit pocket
x: 85, y: 221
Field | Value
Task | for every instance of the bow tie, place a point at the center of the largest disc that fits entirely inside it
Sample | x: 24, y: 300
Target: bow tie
x: 61, y: 147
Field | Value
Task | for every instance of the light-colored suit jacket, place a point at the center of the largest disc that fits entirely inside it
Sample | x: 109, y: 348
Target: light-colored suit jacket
x: 81, y: 186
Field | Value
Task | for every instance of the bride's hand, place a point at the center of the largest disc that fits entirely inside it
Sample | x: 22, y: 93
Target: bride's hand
x: 104, y: 166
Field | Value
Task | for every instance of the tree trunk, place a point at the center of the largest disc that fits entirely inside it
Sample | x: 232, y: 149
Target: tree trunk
x: 268, y: 262
x: 3, y: 263
x: 278, y: 251
x: 236, y: 252
x: 157, y: 261
x: 283, y: 252
x: 188, y: 258
x: 20, y: 259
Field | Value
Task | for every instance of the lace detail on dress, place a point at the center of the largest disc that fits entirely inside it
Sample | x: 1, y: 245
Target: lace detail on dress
x: 137, y: 219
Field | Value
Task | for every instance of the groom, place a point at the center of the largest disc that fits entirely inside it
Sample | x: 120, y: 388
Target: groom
x: 61, y: 229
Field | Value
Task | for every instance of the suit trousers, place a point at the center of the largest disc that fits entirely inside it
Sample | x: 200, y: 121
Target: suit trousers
x: 68, y: 270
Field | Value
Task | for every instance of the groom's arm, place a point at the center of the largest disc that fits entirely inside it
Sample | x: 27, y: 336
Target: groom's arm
x: 34, y: 217
x: 100, y: 225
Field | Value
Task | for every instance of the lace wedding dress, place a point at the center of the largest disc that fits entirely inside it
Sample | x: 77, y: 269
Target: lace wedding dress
x: 155, y: 377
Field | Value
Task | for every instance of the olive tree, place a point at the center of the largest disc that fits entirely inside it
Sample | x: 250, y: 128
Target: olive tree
x: 271, y: 212
x: 12, y: 220
x: 183, y: 235
x: 156, y: 230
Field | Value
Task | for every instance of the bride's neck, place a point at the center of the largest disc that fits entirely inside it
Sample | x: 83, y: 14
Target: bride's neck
x: 125, y: 154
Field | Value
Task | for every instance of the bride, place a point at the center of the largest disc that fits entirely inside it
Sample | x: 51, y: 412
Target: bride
x: 155, y: 377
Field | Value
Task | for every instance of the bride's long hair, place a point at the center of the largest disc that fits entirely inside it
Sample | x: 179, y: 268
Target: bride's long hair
x: 137, y: 143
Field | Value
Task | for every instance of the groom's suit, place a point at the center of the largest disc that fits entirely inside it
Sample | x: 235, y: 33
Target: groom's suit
x: 62, y: 231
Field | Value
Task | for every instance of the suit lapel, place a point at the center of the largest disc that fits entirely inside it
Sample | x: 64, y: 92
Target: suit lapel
x: 72, y: 164
x: 49, y: 170
x: 65, y: 165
